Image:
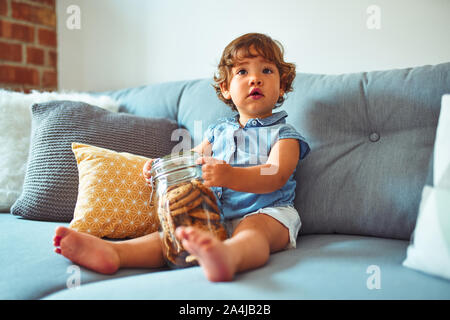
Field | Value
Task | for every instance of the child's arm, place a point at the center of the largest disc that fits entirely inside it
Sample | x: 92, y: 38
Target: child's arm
x: 266, y: 178
x: 204, y: 148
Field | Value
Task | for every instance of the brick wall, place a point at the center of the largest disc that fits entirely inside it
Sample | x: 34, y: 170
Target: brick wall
x: 28, y: 48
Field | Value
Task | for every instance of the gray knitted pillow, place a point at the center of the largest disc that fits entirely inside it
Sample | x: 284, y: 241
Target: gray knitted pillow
x: 51, y: 181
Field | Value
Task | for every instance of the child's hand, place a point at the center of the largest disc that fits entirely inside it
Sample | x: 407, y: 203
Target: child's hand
x: 146, y: 171
x: 215, y: 172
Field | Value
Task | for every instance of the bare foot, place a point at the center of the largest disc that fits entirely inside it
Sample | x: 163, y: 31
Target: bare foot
x: 211, y: 253
x: 86, y: 250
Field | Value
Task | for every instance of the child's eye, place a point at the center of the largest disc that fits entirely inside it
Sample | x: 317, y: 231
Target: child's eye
x: 241, y: 72
x: 267, y: 71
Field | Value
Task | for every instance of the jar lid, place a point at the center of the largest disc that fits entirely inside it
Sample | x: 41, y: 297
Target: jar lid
x: 173, y: 162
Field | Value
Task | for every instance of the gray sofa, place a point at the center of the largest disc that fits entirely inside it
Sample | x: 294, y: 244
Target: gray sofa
x: 358, y: 193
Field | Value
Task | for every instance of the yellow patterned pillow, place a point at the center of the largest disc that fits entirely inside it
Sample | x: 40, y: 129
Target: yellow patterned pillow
x: 113, y: 198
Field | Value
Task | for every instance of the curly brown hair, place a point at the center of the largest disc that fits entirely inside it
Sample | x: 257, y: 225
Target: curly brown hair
x: 266, y: 47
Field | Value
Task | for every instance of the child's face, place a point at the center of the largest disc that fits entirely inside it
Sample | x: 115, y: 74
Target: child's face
x: 254, y: 87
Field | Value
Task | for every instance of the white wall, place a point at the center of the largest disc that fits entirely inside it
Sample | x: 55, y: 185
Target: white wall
x: 125, y: 43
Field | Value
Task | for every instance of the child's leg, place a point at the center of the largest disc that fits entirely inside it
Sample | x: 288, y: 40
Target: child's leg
x: 108, y: 256
x: 249, y: 247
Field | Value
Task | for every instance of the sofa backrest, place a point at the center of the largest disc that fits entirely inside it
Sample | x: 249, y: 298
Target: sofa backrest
x: 371, y: 136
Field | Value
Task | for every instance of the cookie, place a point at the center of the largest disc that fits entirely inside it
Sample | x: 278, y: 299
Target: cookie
x: 168, y: 247
x: 178, y: 193
x: 199, y: 224
x: 189, y: 206
x: 183, y: 201
x: 169, y: 230
x: 190, y: 258
x: 187, y: 203
x: 209, y: 198
x: 198, y: 184
x: 216, y: 229
x: 170, y: 188
x: 204, y: 215
x: 182, y: 220
x: 211, y: 203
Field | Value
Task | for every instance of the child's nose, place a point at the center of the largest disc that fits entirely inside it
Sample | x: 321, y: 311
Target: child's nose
x: 256, y: 81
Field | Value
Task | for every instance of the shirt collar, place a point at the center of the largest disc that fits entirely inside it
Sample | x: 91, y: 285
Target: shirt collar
x: 257, y: 122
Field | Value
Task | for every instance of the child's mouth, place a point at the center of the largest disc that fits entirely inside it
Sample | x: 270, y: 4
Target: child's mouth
x: 256, y: 94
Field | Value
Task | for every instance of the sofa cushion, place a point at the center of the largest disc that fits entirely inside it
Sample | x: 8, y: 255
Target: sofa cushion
x: 154, y: 101
x: 30, y: 269
x: 15, y: 124
x: 51, y: 180
x: 192, y: 103
x: 199, y: 107
x: 113, y: 197
x: 321, y: 267
x: 371, y: 136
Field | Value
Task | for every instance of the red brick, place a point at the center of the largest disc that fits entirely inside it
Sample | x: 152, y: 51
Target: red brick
x: 35, y: 14
x: 3, y: 8
x: 16, y: 31
x: 47, y: 37
x: 21, y: 89
x: 49, y: 79
x: 10, y: 52
x: 50, y: 3
x: 52, y: 59
x: 35, y: 56
x: 19, y: 75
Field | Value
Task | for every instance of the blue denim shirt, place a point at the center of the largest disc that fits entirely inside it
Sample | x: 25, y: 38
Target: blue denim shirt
x: 250, y: 146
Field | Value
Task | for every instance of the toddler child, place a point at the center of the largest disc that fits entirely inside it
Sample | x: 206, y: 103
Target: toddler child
x: 248, y: 160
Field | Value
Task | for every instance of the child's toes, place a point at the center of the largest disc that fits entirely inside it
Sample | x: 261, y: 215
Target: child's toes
x: 190, y: 238
x: 204, y: 240
x: 189, y: 233
x: 57, y: 241
x: 61, y: 232
x: 181, y: 233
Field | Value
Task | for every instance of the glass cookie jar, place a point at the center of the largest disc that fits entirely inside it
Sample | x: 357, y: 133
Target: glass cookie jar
x: 181, y: 199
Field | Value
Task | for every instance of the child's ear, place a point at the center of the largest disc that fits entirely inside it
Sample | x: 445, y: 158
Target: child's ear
x: 225, y: 92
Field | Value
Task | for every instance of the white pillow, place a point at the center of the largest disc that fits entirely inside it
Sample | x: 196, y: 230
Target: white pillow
x: 429, y: 250
x: 15, y: 129
x: 441, y: 174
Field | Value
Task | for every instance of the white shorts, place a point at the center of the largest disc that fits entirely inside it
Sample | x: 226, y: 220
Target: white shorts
x: 287, y: 216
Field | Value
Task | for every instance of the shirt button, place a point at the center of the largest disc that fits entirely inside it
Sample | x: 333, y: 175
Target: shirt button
x: 219, y: 194
x: 254, y: 122
x: 374, y: 137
